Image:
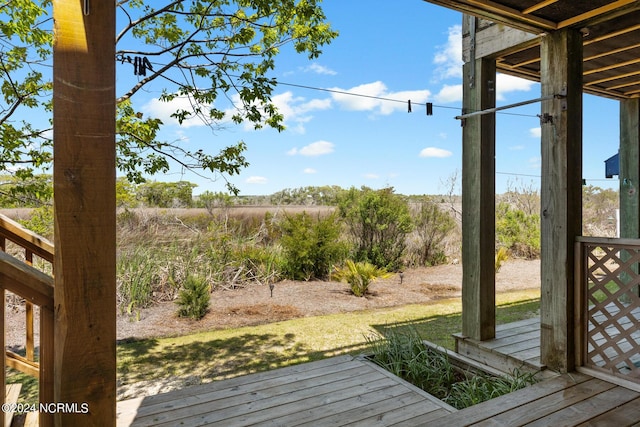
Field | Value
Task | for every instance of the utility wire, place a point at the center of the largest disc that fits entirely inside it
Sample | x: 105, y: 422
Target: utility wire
x: 538, y: 176
x: 380, y: 98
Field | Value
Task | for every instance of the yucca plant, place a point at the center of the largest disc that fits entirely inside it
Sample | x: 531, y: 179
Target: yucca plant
x: 501, y: 256
x: 193, y: 298
x: 359, y: 276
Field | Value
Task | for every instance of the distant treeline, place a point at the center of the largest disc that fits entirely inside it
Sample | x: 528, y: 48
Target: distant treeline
x: 37, y: 190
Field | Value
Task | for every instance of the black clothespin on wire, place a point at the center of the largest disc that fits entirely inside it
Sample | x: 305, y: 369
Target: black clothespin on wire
x: 429, y: 109
x: 409, y: 106
x: 141, y: 65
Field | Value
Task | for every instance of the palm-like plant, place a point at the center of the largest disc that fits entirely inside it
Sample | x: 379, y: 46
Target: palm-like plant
x: 359, y: 276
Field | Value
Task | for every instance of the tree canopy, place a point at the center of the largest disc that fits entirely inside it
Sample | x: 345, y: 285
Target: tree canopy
x: 193, y: 52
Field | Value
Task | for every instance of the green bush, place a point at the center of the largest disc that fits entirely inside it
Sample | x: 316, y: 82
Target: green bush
x: 193, y: 298
x: 311, y: 246
x: 359, y: 276
x: 378, y: 222
x: 432, y: 226
x: 517, y: 231
x: 40, y: 221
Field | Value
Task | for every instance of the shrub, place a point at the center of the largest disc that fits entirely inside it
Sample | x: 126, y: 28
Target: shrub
x: 378, y: 222
x: 359, y: 276
x: 432, y: 226
x: 193, y: 298
x: 311, y: 246
x: 40, y: 221
x: 517, y: 231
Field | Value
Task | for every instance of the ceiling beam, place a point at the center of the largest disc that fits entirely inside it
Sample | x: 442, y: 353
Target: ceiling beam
x: 594, y: 13
x: 499, y: 14
x: 539, y: 6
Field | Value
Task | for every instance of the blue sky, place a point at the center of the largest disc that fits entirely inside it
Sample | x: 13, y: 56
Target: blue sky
x: 408, y: 52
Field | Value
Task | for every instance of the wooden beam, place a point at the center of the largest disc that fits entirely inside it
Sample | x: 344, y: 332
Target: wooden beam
x: 561, y: 193
x: 539, y: 6
x: 84, y: 208
x: 478, y: 201
x: 497, y: 39
x: 593, y: 13
x: 498, y: 13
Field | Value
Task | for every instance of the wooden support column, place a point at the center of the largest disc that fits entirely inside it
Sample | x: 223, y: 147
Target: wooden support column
x: 629, y: 174
x: 629, y: 168
x: 478, y: 201
x: 561, y: 193
x: 84, y: 203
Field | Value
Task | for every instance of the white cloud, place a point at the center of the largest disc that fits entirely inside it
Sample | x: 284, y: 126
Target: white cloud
x: 163, y: 110
x: 435, y: 152
x: 448, y: 58
x: 516, y: 147
x: 506, y: 84
x: 256, y: 180
x: 449, y: 94
x: 535, y: 162
x: 296, y: 109
x: 370, y: 99
x: 319, y: 69
x: 309, y: 170
x: 317, y: 148
x: 371, y: 176
x: 535, y: 132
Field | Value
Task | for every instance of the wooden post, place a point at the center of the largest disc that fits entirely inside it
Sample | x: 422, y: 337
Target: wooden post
x: 629, y: 174
x: 629, y: 168
x: 84, y: 203
x: 561, y: 193
x: 478, y: 200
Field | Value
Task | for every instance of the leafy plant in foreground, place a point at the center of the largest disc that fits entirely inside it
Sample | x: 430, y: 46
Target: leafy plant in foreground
x: 193, y: 298
x: 359, y: 276
x: 403, y: 353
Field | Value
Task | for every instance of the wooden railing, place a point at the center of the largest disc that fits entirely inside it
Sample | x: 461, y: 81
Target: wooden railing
x: 36, y: 287
x: 608, y: 306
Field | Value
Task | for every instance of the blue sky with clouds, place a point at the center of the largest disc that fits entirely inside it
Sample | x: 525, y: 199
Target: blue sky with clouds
x: 410, y: 51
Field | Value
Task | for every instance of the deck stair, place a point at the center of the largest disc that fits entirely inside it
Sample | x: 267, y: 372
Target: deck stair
x: 516, y: 346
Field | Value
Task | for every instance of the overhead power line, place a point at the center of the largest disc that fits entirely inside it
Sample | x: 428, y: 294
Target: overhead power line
x: 408, y: 102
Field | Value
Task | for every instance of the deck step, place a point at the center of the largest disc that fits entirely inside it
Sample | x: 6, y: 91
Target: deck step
x: 515, y: 347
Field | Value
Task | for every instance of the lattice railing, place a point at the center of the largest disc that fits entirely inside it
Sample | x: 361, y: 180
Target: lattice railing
x: 608, y: 306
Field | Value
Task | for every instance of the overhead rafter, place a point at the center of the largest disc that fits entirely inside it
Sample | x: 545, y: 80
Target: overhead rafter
x: 611, y: 38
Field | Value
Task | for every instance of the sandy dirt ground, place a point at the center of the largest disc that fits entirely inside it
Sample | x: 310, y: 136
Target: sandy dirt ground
x: 254, y: 304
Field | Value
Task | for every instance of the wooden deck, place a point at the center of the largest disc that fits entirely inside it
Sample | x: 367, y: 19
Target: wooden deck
x: 338, y: 391
x: 353, y: 391
x: 567, y: 400
x: 350, y: 391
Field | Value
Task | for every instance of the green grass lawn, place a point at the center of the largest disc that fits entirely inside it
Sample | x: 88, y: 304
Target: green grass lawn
x: 227, y: 353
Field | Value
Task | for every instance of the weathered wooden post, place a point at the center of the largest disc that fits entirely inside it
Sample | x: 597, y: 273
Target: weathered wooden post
x: 478, y: 197
x: 561, y: 193
x: 84, y: 203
